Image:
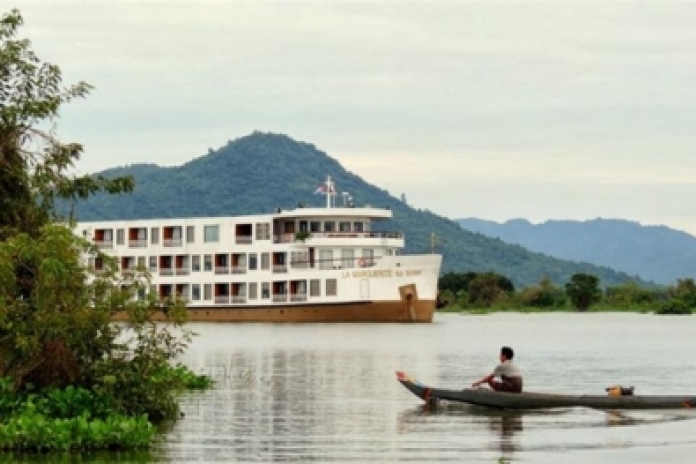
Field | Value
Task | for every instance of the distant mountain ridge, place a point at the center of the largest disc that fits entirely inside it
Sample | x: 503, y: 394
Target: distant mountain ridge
x: 261, y: 172
x: 655, y: 253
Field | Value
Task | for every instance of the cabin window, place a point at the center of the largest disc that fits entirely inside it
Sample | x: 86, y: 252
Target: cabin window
x: 358, y: 227
x: 331, y: 287
x: 208, y: 291
x: 154, y: 235
x: 253, y: 290
x: 195, y: 292
x: 329, y: 226
x: 190, y: 234
x: 265, y: 261
x: 263, y: 231
x: 120, y: 236
x: 265, y: 290
x: 253, y: 261
x: 326, y: 259
x: 299, y: 260
x: 211, y: 234
x: 315, y: 226
x: 303, y: 226
x: 140, y: 294
x: 141, y: 262
x: 153, y: 263
x: 315, y: 287
x: 347, y: 258
x: 368, y: 255
x: 196, y: 263
x: 344, y: 226
x: 208, y: 262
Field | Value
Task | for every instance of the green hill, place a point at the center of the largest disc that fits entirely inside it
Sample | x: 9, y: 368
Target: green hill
x: 261, y: 172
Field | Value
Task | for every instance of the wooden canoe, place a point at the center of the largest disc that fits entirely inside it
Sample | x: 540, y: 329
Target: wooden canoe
x: 492, y: 399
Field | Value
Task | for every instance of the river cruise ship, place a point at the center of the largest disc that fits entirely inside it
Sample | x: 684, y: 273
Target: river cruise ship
x: 306, y: 264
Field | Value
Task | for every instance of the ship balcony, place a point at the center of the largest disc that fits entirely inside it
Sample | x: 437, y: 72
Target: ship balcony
x: 239, y: 269
x: 104, y: 244
x: 243, y: 239
x: 222, y: 269
x: 239, y: 299
x: 280, y: 297
x: 137, y: 243
x: 183, y: 271
x: 172, y: 242
x: 297, y: 297
x: 166, y: 271
x: 280, y: 268
x: 222, y: 299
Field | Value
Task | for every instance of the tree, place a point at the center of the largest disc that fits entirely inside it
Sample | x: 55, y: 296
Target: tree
x: 583, y: 291
x: 488, y: 287
x: 34, y: 164
x: 685, y: 291
x: 55, y: 312
x: 543, y: 295
x: 629, y: 294
x: 455, y: 281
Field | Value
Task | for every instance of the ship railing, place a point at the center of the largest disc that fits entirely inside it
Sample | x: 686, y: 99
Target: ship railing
x: 166, y: 271
x: 284, y: 238
x: 183, y: 271
x: 298, y: 297
x: 339, y: 263
x: 104, y: 244
x: 239, y: 269
x: 280, y: 297
x: 299, y: 264
x: 243, y: 239
x: 172, y: 242
x: 137, y: 243
x: 394, y: 235
x: 239, y: 299
x: 222, y: 269
x: 222, y: 299
x: 280, y: 268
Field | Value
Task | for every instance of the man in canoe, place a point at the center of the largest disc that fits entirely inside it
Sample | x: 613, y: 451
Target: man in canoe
x: 510, y: 376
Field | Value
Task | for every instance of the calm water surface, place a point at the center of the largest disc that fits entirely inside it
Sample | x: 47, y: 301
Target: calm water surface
x: 327, y: 392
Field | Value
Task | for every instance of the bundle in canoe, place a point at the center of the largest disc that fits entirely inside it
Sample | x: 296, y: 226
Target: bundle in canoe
x: 525, y: 400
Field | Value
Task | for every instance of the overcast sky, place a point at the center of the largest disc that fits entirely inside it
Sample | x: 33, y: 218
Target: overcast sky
x: 490, y: 109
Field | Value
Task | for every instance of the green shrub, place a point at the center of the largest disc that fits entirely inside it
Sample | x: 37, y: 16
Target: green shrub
x: 674, y: 306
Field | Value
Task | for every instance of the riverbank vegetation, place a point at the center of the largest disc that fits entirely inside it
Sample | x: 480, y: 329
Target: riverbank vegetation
x: 485, y: 292
x: 69, y: 377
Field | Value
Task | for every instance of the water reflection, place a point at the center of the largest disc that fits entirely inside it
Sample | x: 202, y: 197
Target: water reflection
x: 326, y: 392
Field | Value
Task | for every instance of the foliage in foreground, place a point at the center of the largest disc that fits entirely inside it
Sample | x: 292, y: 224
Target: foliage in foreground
x: 73, y: 379
x: 76, y: 418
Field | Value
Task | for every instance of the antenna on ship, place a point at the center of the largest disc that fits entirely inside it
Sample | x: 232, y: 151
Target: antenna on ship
x: 434, y: 242
x: 330, y: 192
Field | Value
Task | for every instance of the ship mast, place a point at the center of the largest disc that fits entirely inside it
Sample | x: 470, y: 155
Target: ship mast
x: 330, y: 191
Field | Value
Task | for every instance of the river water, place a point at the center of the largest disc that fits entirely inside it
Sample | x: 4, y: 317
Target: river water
x: 328, y: 393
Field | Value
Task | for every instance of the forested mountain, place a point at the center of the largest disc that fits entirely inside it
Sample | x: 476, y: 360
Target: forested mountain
x: 655, y: 253
x: 261, y: 172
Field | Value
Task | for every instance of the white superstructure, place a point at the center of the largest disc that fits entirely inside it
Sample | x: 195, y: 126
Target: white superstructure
x: 304, y: 264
